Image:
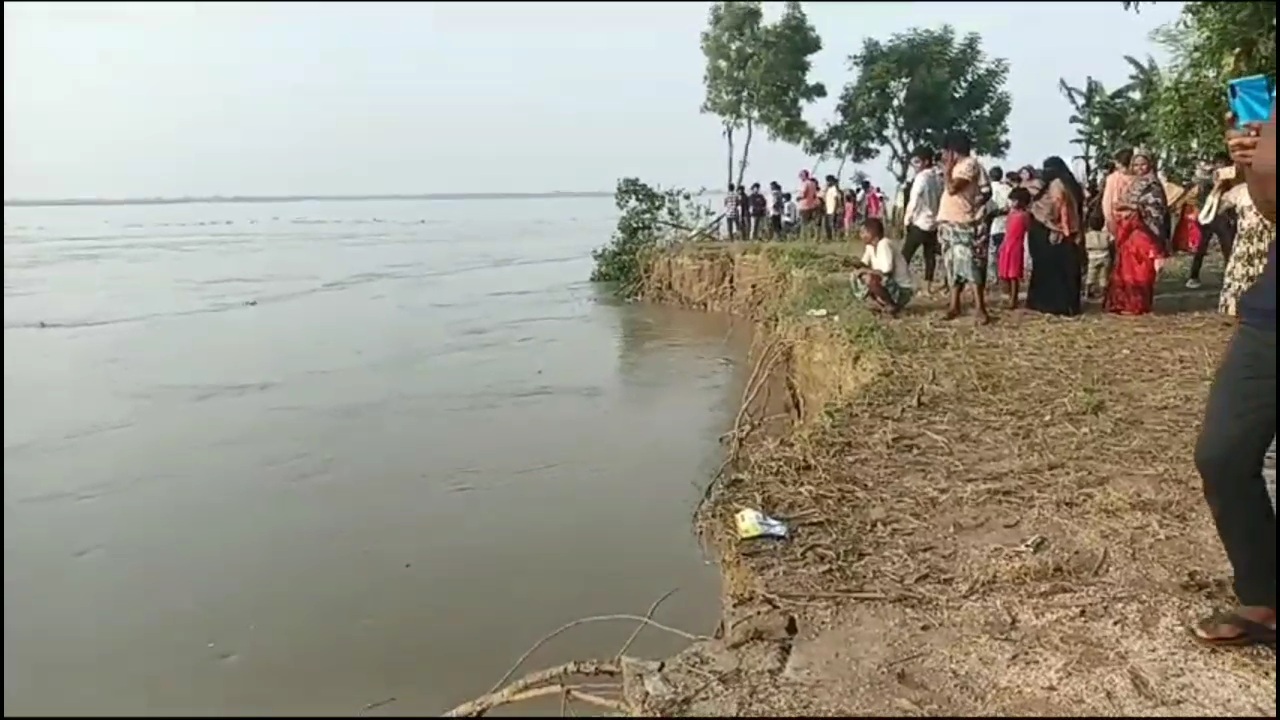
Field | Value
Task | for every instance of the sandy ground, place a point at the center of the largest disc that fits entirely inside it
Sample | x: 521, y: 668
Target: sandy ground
x: 1008, y: 522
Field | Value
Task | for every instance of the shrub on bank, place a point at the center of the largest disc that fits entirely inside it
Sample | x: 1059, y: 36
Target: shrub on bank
x: 648, y: 217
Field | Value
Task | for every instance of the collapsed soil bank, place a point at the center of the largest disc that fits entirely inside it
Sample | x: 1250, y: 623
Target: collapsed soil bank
x: 805, y: 359
x: 819, y: 361
x: 986, y: 521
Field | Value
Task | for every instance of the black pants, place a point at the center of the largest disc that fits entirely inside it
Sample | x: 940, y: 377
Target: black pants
x: 1239, y: 424
x: 1222, y: 227
x: 922, y: 239
x: 731, y: 226
x: 775, y: 225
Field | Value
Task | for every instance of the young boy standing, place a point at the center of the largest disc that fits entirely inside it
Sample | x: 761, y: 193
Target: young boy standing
x: 790, y: 215
x: 1097, y: 246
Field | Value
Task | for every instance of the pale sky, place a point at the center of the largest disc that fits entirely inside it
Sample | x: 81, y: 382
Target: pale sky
x: 132, y: 99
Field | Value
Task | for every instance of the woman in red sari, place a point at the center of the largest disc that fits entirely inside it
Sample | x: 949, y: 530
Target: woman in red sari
x: 1141, y: 247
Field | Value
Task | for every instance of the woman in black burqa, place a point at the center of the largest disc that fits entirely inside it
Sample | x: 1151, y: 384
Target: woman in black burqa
x: 1053, y: 241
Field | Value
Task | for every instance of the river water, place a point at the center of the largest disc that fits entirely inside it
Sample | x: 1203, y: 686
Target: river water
x: 306, y: 457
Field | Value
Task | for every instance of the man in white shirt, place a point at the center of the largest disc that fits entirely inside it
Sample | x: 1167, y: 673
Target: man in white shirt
x: 882, y: 276
x: 831, y: 201
x: 790, y: 215
x: 998, y: 213
x: 921, y: 215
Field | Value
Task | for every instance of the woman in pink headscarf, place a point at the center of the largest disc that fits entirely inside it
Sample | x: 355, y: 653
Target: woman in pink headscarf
x: 1141, y: 244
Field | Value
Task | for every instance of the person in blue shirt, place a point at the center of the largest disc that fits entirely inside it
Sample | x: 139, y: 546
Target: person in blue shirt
x: 1240, y: 424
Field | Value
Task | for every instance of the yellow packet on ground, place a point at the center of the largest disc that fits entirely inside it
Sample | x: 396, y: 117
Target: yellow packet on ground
x: 755, y: 524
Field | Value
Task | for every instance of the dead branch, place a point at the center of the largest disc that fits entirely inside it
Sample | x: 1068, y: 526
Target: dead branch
x: 583, y: 621
x: 541, y: 684
x: 551, y: 682
x: 640, y: 627
x: 693, y: 232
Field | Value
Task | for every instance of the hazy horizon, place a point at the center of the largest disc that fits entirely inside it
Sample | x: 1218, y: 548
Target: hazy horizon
x: 231, y: 199
x: 140, y: 100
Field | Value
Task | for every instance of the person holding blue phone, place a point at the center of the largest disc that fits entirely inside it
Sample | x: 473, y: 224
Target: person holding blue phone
x: 1240, y: 422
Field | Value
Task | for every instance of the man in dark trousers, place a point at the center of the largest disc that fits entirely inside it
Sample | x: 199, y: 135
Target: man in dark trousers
x: 921, y: 214
x: 1221, y: 226
x: 1240, y: 424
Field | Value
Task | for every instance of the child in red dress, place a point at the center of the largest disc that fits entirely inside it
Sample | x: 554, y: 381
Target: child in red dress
x: 1010, y: 265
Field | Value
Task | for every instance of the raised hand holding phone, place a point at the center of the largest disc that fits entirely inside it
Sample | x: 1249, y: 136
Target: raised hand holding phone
x: 1242, y: 139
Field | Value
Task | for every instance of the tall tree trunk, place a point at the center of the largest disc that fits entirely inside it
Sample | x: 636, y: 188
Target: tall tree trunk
x: 746, y: 150
x: 1088, y: 165
x: 840, y: 167
x: 728, y: 135
x: 903, y: 166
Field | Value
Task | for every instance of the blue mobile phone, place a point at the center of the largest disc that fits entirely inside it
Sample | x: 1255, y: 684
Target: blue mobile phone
x: 1250, y: 99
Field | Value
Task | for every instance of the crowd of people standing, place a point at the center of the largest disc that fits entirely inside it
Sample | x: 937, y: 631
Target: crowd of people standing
x: 1035, y: 228
x: 813, y: 211
x: 1106, y: 241
x: 1071, y: 243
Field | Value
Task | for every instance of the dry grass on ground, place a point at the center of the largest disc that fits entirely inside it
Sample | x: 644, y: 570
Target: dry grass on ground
x: 999, y: 520
x: 1007, y: 522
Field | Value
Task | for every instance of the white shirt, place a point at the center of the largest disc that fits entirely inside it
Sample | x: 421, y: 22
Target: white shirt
x: 999, y: 202
x: 926, y: 193
x: 790, y: 213
x: 885, y: 258
x: 832, y: 199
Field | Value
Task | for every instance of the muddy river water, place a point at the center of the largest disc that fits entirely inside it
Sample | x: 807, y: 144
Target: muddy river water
x: 301, y: 458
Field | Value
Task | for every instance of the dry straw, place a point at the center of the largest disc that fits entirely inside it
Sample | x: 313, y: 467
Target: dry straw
x: 1016, y: 506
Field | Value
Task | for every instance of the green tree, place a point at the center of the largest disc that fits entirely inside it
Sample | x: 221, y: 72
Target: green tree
x: 1234, y: 38
x: 918, y: 86
x: 1106, y: 121
x: 1210, y: 43
x: 648, y: 218
x: 837, y: 140
x: 757, y: 75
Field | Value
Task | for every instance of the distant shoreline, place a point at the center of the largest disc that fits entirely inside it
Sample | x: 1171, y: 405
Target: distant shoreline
x: 226, y: 199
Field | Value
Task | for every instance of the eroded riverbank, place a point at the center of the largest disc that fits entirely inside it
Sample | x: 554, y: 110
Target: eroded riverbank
x: 986, y: 521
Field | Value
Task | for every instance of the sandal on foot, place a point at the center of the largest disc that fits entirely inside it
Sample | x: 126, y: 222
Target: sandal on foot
x: 1248, y: 632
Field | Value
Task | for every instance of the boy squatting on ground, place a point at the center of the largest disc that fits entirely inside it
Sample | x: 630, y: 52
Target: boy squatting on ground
x: 1097, y: 246
x: 881, y: 276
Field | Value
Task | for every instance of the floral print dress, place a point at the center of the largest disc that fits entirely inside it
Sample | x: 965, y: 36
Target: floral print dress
x: 1248, y: 255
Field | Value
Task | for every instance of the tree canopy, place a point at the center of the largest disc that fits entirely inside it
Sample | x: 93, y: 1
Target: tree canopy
x: 914, y: 88
x: 757, y: 74
x: 1209, y: 44
x: 1109, y: 120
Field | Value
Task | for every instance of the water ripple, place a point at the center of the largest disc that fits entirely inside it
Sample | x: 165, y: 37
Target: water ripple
x: 351, y: 281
